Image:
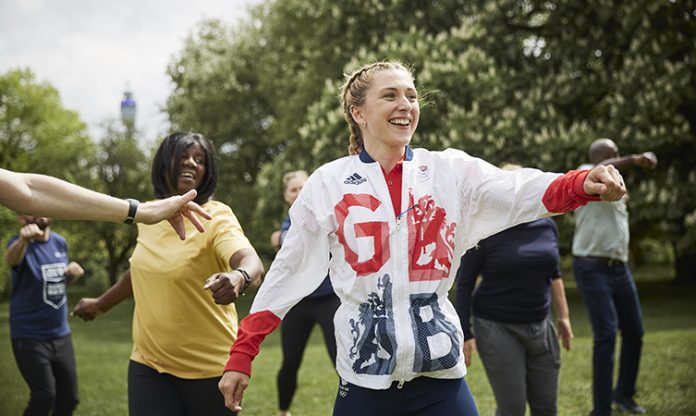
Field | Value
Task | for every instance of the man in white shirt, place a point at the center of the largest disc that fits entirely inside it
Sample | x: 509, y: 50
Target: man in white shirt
x: 600, y: 250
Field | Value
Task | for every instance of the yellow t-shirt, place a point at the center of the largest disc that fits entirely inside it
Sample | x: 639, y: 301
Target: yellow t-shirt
x: 177, y: 327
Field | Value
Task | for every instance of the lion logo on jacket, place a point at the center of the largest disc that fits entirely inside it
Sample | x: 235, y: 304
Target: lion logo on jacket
x: 430, y: 240
x: 374, y: 341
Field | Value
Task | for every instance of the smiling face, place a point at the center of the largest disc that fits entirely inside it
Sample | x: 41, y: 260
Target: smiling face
x: 389, y: 115
x: 184, y: 161
x: 191, y: 170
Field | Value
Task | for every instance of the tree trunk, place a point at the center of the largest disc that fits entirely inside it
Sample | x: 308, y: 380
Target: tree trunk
x: 685, y: 269
x: 112, y: 267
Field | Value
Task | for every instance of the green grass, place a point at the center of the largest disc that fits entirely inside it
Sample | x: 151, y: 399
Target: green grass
x: 667, y: 381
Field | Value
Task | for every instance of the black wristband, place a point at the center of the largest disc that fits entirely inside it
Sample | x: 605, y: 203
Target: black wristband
x: 247, y: 278
x: 132, y: 208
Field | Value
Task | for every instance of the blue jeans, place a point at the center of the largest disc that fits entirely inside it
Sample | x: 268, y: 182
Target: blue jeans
x: 611, y: 298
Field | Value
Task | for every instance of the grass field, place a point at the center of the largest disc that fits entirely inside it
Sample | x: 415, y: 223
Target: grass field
x: 667, y: 381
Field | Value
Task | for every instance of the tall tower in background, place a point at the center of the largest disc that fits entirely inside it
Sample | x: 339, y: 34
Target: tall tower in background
x: 128, y: 109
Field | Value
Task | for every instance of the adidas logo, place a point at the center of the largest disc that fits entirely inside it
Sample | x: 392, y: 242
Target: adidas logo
x: 354, y: 179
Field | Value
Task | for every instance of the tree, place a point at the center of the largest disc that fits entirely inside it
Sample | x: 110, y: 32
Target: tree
x: 622, y: 70
x: 249, y: 90
x: 528, y: 93
x: 122, y: 169
x: 38, y: 134
x: 528, y: 81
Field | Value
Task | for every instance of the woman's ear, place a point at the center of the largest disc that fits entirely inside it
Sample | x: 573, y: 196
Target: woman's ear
x: 357, y: 115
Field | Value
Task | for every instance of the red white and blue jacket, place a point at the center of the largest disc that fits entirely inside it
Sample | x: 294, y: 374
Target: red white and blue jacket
x: 391, y: 272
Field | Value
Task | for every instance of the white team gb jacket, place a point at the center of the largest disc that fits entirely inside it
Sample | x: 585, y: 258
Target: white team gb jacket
x: 393, y: 273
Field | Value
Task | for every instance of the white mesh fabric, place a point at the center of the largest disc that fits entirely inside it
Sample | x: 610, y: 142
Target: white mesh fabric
x: 393, y: 274
x: 499, y: 199
x: 301, y: 264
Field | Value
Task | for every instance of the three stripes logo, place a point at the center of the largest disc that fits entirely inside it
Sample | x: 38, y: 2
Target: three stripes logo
x: 354, y: 179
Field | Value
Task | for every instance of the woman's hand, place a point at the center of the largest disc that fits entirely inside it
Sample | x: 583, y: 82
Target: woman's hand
x: 469, y: 350
x: 173, y: 209
x: 232, y: 386
x: 606, y: 182
x: 87, y: 309
x: 225, y: 287
x: 565, y: 332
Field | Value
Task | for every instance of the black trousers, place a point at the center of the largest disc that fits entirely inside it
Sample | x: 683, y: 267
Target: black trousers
x: 159, y: 394
x: 48, y: 367
x: 295, y: 331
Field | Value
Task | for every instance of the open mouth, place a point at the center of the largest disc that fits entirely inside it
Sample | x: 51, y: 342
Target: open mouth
x: 401, y: 122
x: 187, y: 175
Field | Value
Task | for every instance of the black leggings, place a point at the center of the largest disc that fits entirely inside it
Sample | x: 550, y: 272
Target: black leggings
x: 159, y: 394
x: 294, y: 332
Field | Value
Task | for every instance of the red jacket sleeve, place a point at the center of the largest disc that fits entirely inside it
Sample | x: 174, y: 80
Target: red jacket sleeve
x: 252, y: 331
x: 566, y: 192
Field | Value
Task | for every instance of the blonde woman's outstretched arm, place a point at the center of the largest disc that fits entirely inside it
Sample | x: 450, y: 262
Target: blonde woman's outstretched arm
x: 46, y: 196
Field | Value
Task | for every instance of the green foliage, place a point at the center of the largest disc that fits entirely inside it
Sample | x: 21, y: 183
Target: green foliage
x: 529, y: 82
x: 251, y: 90
x: 215, y: 84
x: 122, y: 170
x: 532, y: 82
x: 37, y: 134
x: 619, y: 70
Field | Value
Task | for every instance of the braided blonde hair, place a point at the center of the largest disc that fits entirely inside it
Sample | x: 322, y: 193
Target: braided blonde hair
x: 353, y: 95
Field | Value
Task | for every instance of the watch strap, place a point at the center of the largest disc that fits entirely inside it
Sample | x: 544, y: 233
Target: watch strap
x: 247, y: 278
x: 132, y: 209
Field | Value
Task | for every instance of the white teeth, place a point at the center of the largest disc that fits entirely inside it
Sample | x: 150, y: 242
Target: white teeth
x: 401, y: 121
x: 187, y: 175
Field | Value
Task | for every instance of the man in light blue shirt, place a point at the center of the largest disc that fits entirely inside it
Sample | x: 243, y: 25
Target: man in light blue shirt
x: 600, y: 265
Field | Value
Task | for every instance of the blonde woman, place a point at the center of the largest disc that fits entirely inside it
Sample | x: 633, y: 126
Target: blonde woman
x: 395, y: 221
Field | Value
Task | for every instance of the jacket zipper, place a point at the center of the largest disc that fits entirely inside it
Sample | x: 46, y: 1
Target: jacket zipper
x: 402, y: 361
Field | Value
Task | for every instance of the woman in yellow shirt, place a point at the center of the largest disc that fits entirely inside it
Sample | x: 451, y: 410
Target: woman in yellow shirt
x: 182, y: 334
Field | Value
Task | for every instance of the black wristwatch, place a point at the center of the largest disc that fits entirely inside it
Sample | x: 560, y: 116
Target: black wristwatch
x: 247, y: 278
x: 132, y: 208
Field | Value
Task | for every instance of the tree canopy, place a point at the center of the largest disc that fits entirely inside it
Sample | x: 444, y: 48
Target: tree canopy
x: 37, y: 134
x: 507, y: 80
